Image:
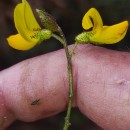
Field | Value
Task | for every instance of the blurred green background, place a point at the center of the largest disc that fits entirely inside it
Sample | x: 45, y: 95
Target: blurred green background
x: 69, y: 14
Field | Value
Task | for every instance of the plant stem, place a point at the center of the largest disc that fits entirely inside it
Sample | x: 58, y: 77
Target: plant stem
x: 62, y: 39
x: 58, y: 38
x: 72, y: 50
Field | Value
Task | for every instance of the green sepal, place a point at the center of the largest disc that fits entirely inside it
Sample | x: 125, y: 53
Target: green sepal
x: 82, y: 38
x: 42, y: 35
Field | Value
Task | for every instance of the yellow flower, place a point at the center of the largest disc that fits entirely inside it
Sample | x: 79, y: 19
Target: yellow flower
x: 29, y: 31
x: 100, y: 34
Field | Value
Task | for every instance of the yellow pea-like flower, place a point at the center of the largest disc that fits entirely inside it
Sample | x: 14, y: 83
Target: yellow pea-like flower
x: 100, y: 34
x: 29, y: 31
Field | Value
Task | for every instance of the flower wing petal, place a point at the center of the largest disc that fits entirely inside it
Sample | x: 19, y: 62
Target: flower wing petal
x: 111, y: 34
x: 19, y: 43
x: 30, y: 19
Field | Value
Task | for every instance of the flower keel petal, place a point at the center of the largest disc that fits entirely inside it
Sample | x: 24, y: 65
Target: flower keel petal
x: 19, y: 43
x: 111, y: 34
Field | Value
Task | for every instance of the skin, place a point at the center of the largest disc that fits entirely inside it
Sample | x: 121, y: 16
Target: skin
x: 101, y: 87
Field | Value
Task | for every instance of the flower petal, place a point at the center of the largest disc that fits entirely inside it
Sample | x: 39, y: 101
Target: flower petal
x: 92, y: 19
x: 25, y: 21
x: 19, y: 43
x: 29, y: 17
x: 111, y: 34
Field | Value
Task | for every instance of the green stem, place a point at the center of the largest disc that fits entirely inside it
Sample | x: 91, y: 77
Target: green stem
x: 67, y: 118
x: 70, y: 76
x: 72, y: 50
x: 58, y: 38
